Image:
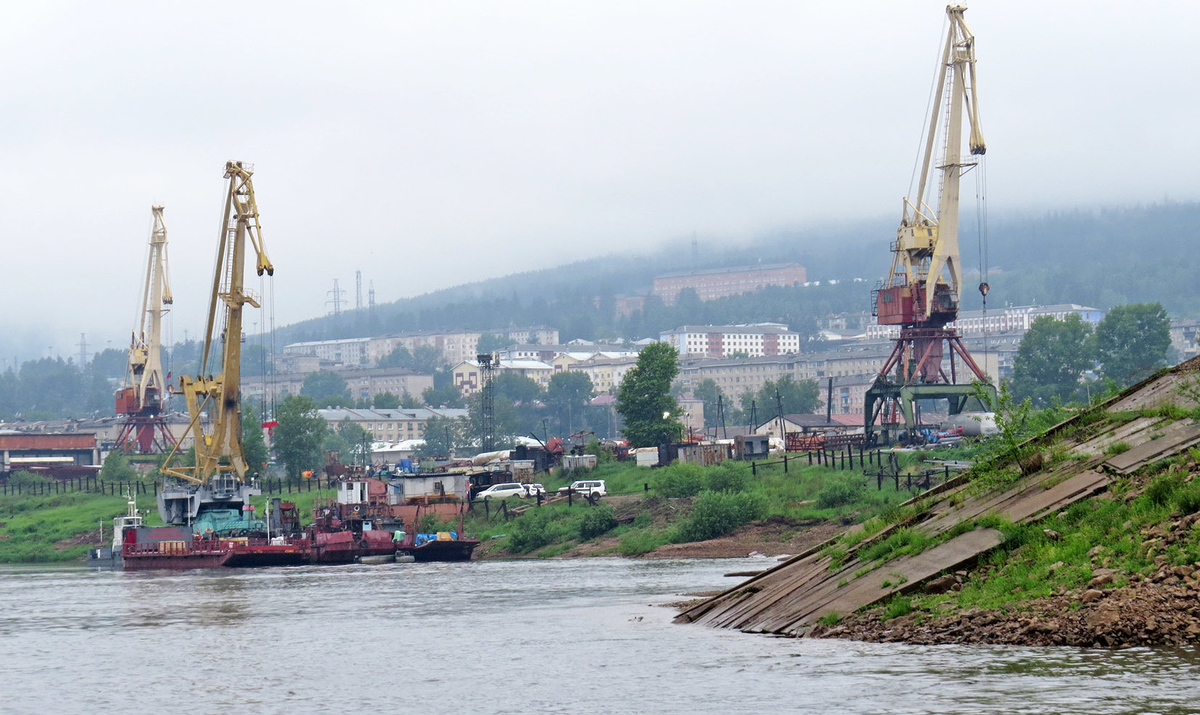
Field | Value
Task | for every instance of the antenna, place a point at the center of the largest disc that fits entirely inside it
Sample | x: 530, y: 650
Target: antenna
x: 82, y: 350
x: 371, y: 297
x: 336, y: 299
x: 358, y: 290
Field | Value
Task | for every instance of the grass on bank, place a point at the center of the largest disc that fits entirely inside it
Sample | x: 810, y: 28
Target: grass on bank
x: 687, y: 503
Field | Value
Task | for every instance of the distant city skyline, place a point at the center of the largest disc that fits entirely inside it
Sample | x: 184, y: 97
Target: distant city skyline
x: 433, y: 145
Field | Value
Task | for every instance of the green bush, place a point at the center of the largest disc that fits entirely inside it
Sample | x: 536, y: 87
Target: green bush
x: 716, y: 514
x: 116, y: 468
x: 636, y: 543
x: 679, y: 480
x: 26, y: 479
x: 1163, y: 488
x: 1187, y: 499
x: 727, y: 477
x: 597, y: 522
x: 530, y: 532
x: 839, y: 493
x: 898, y: 606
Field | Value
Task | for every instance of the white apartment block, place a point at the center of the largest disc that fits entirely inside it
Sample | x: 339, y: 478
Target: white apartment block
x: 753, y: 340
x: 390, y: 425
x: 348, y: 351
x: 999, y: 320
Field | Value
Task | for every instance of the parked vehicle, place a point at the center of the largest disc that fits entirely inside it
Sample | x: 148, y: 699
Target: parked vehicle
x: 533, y: 490
x: 589, y: 489
x: 503, y: 491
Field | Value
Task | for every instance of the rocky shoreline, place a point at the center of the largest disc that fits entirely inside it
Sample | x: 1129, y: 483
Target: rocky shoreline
x: 1161, y: 610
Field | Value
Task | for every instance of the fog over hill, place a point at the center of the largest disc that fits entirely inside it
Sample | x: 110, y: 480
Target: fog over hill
x: 1100, y: 257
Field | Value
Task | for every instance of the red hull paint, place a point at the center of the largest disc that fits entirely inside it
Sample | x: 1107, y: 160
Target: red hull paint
x: 179, y: 562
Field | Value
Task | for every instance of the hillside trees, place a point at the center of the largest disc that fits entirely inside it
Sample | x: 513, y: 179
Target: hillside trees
x: 644, y: 398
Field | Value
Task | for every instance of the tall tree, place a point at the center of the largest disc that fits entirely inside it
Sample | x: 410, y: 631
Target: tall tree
x: 299, y: 434
x: 324, y: 384
x: 709, y: 392
x: 254, y: 448
x: 566, y: 397
x: 798, y: 398
x: 489, y: 343
x: 1051, y: 358
x: 443, y: 435
x: 644, y: 398
x: 448, y: 396
x: 385, y: 401
x: 1132, y: 341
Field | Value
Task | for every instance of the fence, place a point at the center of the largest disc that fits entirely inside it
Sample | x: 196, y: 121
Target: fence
x: 96, y: 485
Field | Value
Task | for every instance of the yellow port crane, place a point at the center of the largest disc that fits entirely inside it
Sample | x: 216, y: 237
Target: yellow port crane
x: 922, y: 290
x: 217, y: 481
x: 140, y: 401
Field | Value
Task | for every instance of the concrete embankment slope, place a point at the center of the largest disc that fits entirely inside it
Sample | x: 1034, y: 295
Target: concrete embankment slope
x: 1073, y: 461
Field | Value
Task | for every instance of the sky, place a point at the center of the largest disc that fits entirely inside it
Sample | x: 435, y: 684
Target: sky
x: 432, y: 144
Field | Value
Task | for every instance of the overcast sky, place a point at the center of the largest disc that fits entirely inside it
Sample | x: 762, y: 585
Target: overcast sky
x: 429, y: 144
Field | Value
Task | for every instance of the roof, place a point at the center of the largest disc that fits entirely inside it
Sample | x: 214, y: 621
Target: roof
x: 338, y: 414
x: 718, y: 271
x: 744, y: 328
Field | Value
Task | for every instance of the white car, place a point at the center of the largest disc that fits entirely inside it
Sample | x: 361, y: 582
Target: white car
x: 502, y: 491
x: 532, y: 490
x: 588, y: 488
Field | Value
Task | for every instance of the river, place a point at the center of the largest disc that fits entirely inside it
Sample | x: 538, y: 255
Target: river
x: 556, y: 636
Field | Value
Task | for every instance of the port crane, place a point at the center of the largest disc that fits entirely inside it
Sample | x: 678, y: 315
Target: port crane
x: 921, y: 292
x: 218, y: 481
x: 141, y: 400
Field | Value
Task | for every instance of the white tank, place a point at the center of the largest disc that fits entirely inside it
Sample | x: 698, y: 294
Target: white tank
x: 974, y: 424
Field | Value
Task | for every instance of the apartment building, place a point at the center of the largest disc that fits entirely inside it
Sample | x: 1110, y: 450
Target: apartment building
x: 348, y: 351
x: 457, y: 345
x: 722, y: 282
x: 752, y: 340
x: 999, y: 320
x: 364, y: 383
x: 390, y: 425
x: 467, y: 374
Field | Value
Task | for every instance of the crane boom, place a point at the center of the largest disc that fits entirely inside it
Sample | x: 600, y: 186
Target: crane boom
x: 145, y: 354
x: 923, y: 285
x: 220, y: 469
x: 141, y: 400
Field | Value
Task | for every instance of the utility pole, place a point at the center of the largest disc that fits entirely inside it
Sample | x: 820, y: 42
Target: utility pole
x: 336, y: 299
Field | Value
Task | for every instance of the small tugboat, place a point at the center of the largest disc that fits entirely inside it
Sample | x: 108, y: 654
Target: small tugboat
x: 109, y: 557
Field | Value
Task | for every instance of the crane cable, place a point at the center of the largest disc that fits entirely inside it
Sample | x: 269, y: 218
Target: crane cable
x: 981, y: 238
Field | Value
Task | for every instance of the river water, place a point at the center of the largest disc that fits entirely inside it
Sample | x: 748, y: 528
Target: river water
x: 563, y: 636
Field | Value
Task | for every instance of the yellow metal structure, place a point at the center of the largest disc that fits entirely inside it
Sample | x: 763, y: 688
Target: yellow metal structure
x: 219, y: 447
x: 926, y: 249
x: 145, y: 359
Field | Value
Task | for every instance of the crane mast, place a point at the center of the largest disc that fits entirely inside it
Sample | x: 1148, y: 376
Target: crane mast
x: 142, y: 399
x: 217, y: 480
x: 922, y: 290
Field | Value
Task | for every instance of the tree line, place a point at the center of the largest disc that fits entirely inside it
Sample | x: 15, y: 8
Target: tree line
x: 1131, y: 343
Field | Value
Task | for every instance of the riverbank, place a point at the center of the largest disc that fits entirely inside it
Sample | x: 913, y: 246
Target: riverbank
x: 680, y: 511
x: 1087, y: 534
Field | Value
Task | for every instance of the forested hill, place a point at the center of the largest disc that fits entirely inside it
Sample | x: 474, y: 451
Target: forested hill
x: 1100, y: 258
